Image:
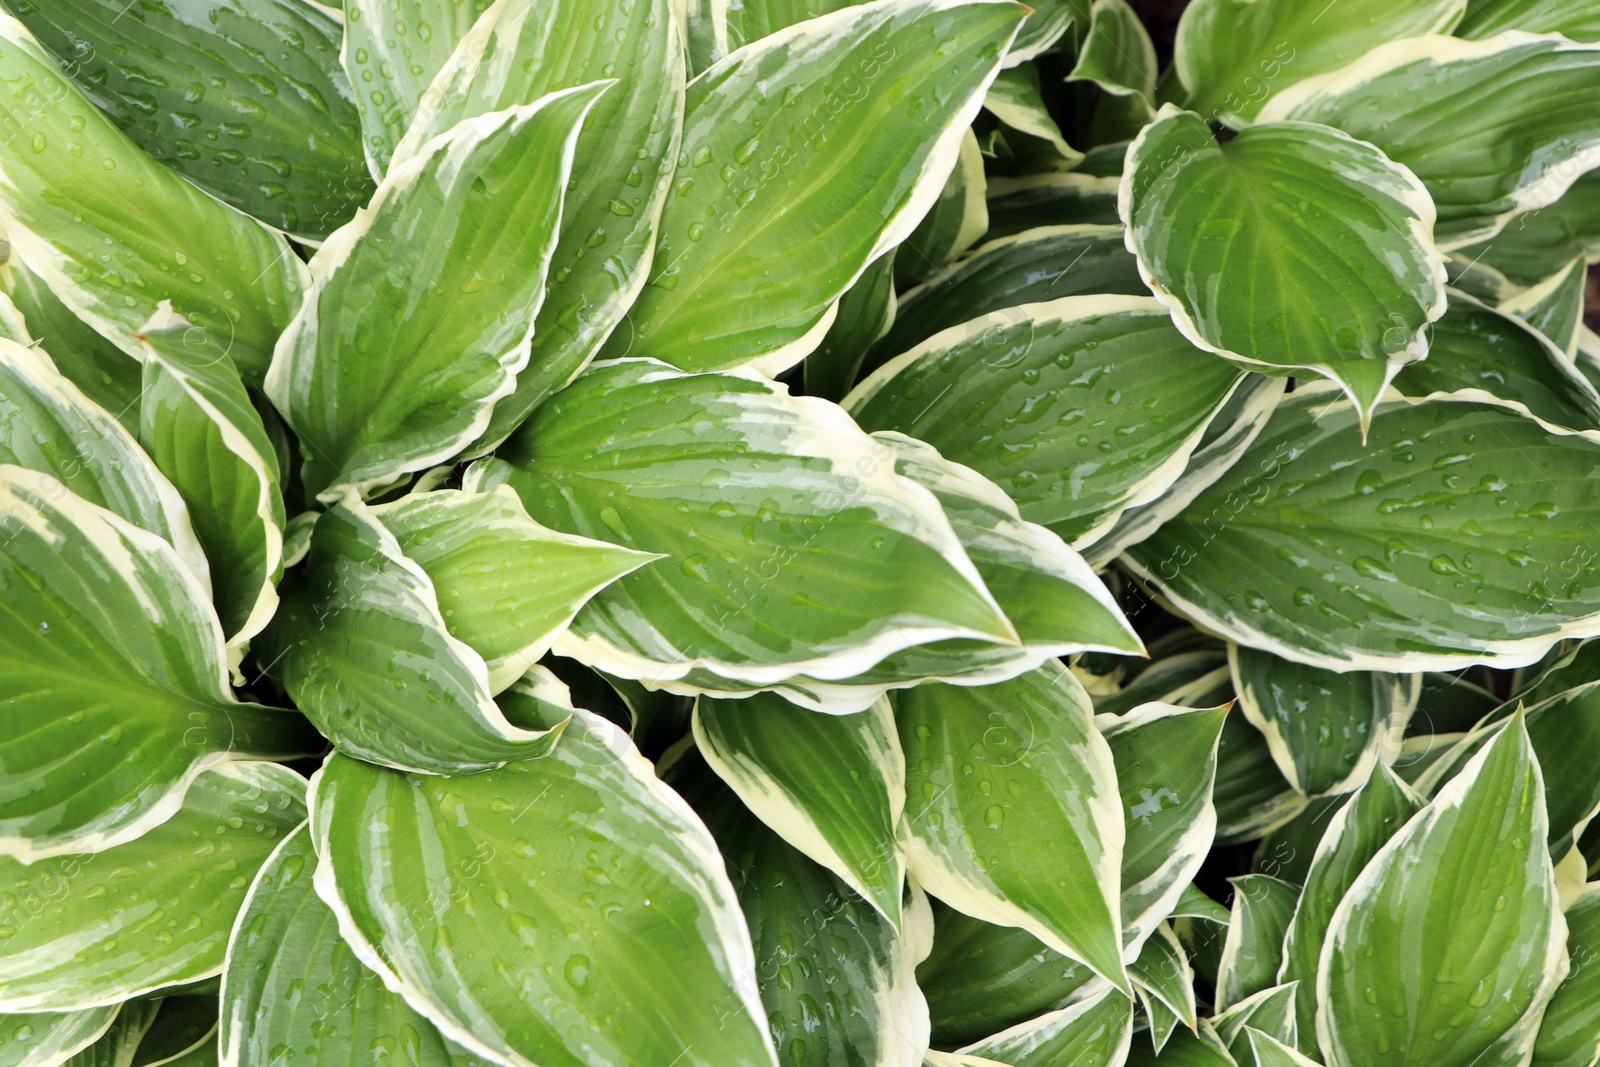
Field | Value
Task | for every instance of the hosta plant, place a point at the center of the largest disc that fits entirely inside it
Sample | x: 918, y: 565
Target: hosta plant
x: 582, y: 534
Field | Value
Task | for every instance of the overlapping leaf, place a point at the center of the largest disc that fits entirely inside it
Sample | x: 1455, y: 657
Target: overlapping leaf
x: 384, y: 372
x: 1290, y: 247
x: 860, y: 123
x: 113, y: 233
x: 92, y: 930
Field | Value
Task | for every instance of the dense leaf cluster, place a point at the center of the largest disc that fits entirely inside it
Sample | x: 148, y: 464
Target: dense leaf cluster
x: 589, y: 533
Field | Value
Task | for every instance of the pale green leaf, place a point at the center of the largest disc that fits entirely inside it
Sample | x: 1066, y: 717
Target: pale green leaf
x: 1569, y: 1036
x: 1354, y: 835
x: 466, y: 895
x: 1440, y: 107
x: 766, y: 229
x: 1031, y: 267
x: 45, y: 1039
x: 385, y: 372
x: 1093, y: 1031
x: 1253, y: 951
x: 1011, y: 809
x: 1471, y: 999
x: 1478, y: 352
x: 1291, y: 247
x: 115, y: 677
x: 294, y: 992
x: 1326, y: 730
x: 272, y: 129
x: 622, y: 162
x: 506, y: 586
x: 392, y: 51
x: 50, y: 426
x: 1124, y: 396
x: 105, y: 936
x: 832, y: 786
x: 362, y: 648
x: 75, y: 191
x: 197, y: 423
x: 1166, y: 761
x: 1231, y: 55
x: 795, y: 547
x: 1390, y: 557
x: 1048, y: 21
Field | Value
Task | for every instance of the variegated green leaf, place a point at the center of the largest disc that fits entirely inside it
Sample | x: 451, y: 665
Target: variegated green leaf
x: 1270, y: 1011
x: 118, y: 1046
x: 294, y: 992
x: 106, y: 374
x: 361, y: 646
x: 1537, y: 243
x: 757, y: 242
x: 622, y: 163
x: 1093, y: 1031
x: 1251, y: 795
x: 1124, y: 396
x: 50, y: 426
x: 1554, y: 306
x: 1047, y: 22
x: 1574, y: 18
x: 1015, y: 100
x: 795, y: 547
x: 1166, y: 761
x: 1198, y: 1048
x: 1011, y: 809
x: 1231, y: 55
x: 1569, y: 1035
x: 981, y: 979
x: 386, y: 372
x: 1395, y: 95
x: 1162, y: 973
x: 954, y: 223
x: 1471, y: 1000
x: 506, y: 586
x: 1478, y: 352
x: 1326, y: 729
x: 1469, y: 571
x: 392, y: 51
x: 1231, y: 431
x: 1031, y: 267
x: 1117, y: 54
x: 184, y: 1031
x: 1354, y: 835
x: 1050, y: 199
x: 91, y: 930
x: 477, y: 896
x: 837, y: 978
x: 1268, y: 1051
x: 245, y: 100
x: 1253, y: 951
x: 76, y: 191
x: 198, y: 424
x: 46, y: 1039
x: 832, y: 786
x: 115, y: 677
x: 1289, y: 247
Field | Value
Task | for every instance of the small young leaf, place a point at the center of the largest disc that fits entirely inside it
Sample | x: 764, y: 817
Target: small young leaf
x: 1253, y: 951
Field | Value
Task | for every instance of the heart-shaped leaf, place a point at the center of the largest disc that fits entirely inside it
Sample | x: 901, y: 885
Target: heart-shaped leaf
x: 1290, y: 247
